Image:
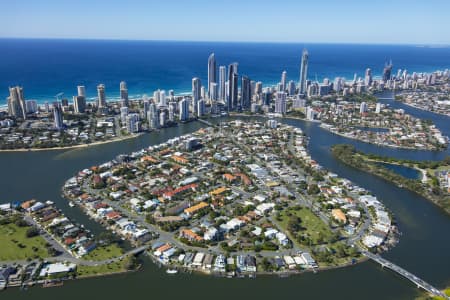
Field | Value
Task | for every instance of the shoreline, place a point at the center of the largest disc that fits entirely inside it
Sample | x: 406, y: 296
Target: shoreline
x: 423, y: 109
x: 75, y: 146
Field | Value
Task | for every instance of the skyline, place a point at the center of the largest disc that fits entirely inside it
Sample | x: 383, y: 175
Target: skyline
x: 352, y: 22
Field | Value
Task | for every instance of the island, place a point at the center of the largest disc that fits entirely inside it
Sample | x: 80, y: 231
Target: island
x: 433, y: 182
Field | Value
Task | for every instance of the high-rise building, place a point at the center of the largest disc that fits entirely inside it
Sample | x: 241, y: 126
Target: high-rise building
x: 162, y: 98
x: 184, y: 110
x: 152, y: 116
x: 291, y: 88
x: 363, y: 107
x: 123, y: 94
x: 196, y: 93
x: 338, y: 84
x: 303, y: 72
x: 211, y: 72
x: 133, y: 123
x: 123, y: 114
x: 162, y: 118
x: 31, y: 106
x: 258, y: 88
x: 280, y: 103
x: 283, y: 81
x: 146, y: 107
x: 201, y: 108
x: 222, y: 80
x: 16, y: 103
x: 266, y: 97
x: 79, y: 104
x: 172, y: 107
x: 232, y: 99
x: 57, y: 116
x: 368, y: 77
x: 101, y: 98
x: 213, y: 94
x: 246, y: 93
x: 81, y: 91
x: 387, y: 71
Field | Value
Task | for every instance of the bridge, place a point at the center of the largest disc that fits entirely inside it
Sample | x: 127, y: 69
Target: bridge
x: 416, y: 280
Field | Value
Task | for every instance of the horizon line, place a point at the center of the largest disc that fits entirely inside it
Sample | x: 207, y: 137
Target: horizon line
x: 443, y: 45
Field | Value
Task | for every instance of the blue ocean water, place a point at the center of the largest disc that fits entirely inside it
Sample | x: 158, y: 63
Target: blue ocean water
x: 46, y: 67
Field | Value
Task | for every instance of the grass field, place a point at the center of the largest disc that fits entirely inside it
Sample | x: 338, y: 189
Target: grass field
x: 116, y: 267
x: 14, y: 245
x: 103, y: 253
x: 313, y: 226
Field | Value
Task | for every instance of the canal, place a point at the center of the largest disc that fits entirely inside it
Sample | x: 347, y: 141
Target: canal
x: 423, y: 249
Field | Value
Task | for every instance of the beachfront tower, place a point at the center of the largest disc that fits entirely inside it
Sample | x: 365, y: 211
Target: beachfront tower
x: 196, y: 92
x: 283, y: 81
x: 16, y: 103
x: 222, y: 80
x: 211, y: 72
x: 123, y: 94
x: 303, y: 72
x: 101, y: 100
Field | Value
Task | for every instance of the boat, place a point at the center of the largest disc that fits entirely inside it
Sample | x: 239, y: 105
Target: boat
x: 171, y: 271
x: 71, y: 204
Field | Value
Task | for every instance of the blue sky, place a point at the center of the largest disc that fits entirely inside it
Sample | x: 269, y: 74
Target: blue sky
x: 346, y: 21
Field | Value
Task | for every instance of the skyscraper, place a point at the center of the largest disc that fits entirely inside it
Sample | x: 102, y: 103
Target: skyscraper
x: 184, y: 109
x: 79, y: 104
x: 303, y: 72
x: 196, y: 93
x: 211, y: 72
x: 232, y: 87
x: 16, y: 103
x: 280, y: 103
x: 101, y: 100
x: 201, y: 108
x: 368, y: 77
x: 283, y: 81
x: 123, y: 94
x: 387, y: 71
x: 81, y: 91
x: 246, y: 93
x: 57, y: 116
x: 222, y: 80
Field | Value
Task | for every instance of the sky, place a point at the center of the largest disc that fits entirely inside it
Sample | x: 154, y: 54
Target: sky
x: 322, y: 21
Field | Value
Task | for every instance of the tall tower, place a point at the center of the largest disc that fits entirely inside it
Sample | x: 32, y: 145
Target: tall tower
x: 283, y: 81
x: 368, y: 77
x: 246, y: 93
x: 232, y: 86
x: 124, y: 94
x: 57, y: 116
x: 101, y: 101
x: 222, y: 80
x: 303, y: 72
x: 16, y: 103
x: 196, y: 92
x: 211, y: 72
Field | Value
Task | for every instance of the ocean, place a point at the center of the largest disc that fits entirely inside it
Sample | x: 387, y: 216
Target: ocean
x: 46, y: 67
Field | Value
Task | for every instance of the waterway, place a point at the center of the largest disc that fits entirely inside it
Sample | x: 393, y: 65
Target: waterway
x: 406, y: 172
x: 423, y: 249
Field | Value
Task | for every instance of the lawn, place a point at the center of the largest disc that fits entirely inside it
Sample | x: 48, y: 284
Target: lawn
x: 312, y: 226
x: 14, y: 245
x: 104, y: 253
x: 111, y: 268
